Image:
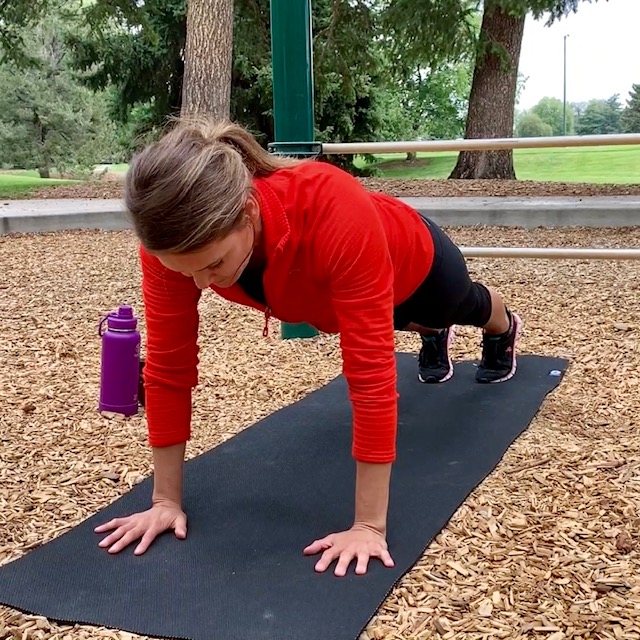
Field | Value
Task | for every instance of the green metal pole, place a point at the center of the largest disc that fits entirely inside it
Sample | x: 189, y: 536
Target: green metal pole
x: 293, y: 116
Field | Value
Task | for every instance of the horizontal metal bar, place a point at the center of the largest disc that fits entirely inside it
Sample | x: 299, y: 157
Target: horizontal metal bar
x: 300, y: 149
x: 561, y: 253
x: 479, y: 144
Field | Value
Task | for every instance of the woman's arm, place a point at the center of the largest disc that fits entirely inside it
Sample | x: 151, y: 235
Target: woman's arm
x: 170, y: 371
x: 351, y: 250
x: 168, y: 464
x: 171, y: 368
x: 372, y: 495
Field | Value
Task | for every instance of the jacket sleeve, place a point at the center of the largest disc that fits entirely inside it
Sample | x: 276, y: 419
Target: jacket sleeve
x: 171, y: 369
x: 350, y: 248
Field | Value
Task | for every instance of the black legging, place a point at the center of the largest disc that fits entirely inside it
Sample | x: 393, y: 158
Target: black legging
x: 447, y: 296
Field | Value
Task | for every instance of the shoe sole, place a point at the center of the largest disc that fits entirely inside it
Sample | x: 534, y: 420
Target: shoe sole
x: 518, y: 322
x: 450, y: 337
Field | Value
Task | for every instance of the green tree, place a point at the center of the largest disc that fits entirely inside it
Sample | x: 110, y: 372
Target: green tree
x: 495, y: 81
x: 435, y: 29
x: 442, y: 98
x: 551, y: 112
x: 17, y: 16
x: 600, y: 117
x: 363, y: 89
x: 430, y: 104
x: 49, y: 120
x: 425, y: 33
x: 630, y: 119
x: 136, y: 49
x: 530, y: 125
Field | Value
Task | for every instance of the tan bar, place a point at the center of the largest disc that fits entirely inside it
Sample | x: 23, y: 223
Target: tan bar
x: 546, y: 253
x: 480, y: 144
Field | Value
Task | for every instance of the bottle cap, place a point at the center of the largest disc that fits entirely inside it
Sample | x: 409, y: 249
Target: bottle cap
x: 122, y: 319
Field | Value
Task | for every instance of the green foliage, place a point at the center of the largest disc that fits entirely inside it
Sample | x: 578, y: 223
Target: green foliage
x: 530, y: 125
x: 47, y: 120
x: 430, y: 105
x: 352, y: 75
x: 429, y: 32
x: 600, y: 117
x: 551, y: 9
x: 16, y: 17
x: 251, y: 88
x: 363, y: 89
x: 438, y: 101
x: 551, y: 112
x: 630, y: 119
x: 350, y: 72
x: 359, y: 87
x: 384, y: 69
x: 137, y: 49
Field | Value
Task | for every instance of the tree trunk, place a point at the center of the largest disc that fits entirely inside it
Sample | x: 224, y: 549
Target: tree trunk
x: 41, y: 131
x: 493, y: 95
x: 206, y: 86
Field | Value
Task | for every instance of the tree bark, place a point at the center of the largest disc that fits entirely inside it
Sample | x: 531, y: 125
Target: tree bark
x: 206, y: 85
x: 493, y: 95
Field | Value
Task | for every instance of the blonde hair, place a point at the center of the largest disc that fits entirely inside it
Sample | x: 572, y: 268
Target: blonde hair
x: 190, y: 187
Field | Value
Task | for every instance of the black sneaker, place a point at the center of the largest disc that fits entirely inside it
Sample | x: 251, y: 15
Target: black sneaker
x: 498, y: 362
x: 434, y: 363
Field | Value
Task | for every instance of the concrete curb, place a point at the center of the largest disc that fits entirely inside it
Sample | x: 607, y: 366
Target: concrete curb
x: 38, y: 216
x: 615, y: 211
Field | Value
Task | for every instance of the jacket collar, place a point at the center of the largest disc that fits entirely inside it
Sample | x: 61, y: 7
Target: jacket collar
x: 277, y: 232
x: 276, y: 228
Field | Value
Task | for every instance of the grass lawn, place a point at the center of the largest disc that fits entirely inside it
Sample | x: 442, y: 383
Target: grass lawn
x: 611, y: 164
x: 605, y: 165
x: 21, y: 183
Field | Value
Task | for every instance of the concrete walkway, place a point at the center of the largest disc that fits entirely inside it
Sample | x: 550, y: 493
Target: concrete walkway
x: 32, y: 216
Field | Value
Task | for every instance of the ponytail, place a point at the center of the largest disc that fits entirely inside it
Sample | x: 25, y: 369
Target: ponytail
x: 258, y: 161
x: 190, y: 188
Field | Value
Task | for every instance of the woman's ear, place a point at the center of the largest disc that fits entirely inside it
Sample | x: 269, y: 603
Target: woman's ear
x: 252, y: 209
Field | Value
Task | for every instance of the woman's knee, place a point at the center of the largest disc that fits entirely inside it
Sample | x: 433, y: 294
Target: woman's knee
x: 477, y: 307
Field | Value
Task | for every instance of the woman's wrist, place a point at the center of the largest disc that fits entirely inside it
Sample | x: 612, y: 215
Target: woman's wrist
x: 168, y: 463
x: 372, y: 495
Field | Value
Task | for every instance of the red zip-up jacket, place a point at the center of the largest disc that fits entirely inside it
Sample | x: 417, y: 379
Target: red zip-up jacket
x: 338, y: 258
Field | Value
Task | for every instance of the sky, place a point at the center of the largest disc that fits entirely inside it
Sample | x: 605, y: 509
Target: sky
x: 603, y: 53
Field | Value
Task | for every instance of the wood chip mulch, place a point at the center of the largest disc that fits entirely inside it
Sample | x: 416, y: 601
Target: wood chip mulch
x: 547, y: 547
x: 398, y: 187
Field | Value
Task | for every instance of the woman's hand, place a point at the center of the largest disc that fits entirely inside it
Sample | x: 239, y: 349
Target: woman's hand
x: 359, y: 543
x: 146, y: 525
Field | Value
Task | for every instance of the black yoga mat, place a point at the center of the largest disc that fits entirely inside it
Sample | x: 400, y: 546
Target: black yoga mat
x: 257, y: 500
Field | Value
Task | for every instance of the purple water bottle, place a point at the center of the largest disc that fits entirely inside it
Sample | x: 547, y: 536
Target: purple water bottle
x: 120, y: 368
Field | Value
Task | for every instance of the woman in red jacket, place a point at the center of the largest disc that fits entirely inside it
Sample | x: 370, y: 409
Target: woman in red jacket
x: 302, y: 241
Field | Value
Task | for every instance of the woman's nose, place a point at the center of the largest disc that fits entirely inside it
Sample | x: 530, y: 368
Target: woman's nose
x: 202, y: 280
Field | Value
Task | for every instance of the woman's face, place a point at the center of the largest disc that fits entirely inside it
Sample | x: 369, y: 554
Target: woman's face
x: 221, y: 262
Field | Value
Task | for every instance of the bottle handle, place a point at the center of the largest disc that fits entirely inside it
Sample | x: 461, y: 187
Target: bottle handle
x: 101, y: 323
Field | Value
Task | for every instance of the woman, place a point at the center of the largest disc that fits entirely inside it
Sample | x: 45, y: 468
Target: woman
x: 304, y: 242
